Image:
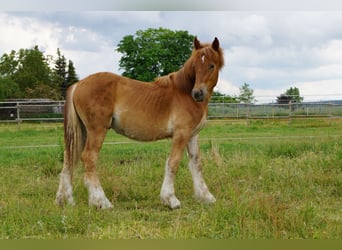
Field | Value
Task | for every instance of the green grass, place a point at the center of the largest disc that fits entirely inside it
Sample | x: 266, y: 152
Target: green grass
x: 271, y: 179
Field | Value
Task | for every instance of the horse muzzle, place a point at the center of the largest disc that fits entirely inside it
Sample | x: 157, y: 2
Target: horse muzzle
x: 198, y: 94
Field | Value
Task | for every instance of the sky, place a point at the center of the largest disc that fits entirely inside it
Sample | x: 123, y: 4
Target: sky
x: 271, y: 49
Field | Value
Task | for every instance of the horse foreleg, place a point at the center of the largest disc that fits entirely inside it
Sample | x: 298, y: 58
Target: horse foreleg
x: 167, y: 193
x: 89, y: 157
x: 64, y: 193
x: 200, y: 188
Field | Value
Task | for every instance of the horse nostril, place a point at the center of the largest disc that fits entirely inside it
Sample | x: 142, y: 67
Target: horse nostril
x: 198, y: 95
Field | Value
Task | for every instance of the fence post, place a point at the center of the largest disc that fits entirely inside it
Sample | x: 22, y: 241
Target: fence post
x: 237, y: 111
x: 247, y: 113
x: 18, y: 114
x: 290, y: 112
x: 273, y: 111
x: 330, y: 105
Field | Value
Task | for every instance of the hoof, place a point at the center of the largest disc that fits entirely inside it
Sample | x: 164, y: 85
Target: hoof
x: 101, y: 204
x: 171, y: 202
x: 206, y: 198
x: 62, y: 199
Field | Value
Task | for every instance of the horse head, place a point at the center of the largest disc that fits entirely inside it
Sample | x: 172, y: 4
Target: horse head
x: 207, y: 62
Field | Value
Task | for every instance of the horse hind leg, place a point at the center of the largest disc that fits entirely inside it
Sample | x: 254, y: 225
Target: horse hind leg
x: 64, y: 193
x: 89, y: 157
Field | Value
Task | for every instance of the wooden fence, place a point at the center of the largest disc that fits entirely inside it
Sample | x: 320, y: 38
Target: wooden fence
x: 41, y: 110
x: 31, y: 110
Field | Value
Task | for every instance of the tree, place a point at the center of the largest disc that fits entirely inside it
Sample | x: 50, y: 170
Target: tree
x: 154, y: 52
x: 65, y: 74
x: 27, y: 73
x: 8, y: 88
x: 32, y: 69
x: 8, y: 64
x: 246, y: 94
x: 43, y: 91
x: 72, y: 76
x: 60, y: 73
x: 291, y: 95
x: 218, y: 97
x: 295, y: 95
x: 23, y: 70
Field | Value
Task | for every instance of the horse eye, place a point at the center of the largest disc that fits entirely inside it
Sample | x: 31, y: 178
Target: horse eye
x: 211, y: 66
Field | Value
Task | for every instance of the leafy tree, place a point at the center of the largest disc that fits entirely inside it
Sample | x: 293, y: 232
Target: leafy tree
x: 291, y: 95
x: 27, y: 73
x: 246, y: 94
x: 23, y: 70
x: 8, y: 88
x: 43, y: 91
x: 218, y: 97
x: 295, y: 94
x: 154, y: 52
x: 32, y: 69
x: 8, y: 64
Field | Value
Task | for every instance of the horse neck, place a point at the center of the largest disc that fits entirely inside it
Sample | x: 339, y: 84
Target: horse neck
x: 185, y: 78
x: 184, y: 81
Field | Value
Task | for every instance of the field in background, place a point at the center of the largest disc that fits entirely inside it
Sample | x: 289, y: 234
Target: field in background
x: 272, y: 179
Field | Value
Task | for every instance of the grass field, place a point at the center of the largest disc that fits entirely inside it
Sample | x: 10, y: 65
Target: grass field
x: 271, y: 179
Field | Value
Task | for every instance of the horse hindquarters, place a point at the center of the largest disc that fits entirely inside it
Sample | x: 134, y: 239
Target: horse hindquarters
x: 83, y: 141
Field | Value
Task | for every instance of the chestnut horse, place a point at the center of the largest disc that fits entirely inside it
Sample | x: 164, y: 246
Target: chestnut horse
x: 174, y: 106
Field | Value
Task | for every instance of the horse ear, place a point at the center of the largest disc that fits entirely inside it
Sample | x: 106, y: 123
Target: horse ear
x: 216, y: 44
x: 197, y: 43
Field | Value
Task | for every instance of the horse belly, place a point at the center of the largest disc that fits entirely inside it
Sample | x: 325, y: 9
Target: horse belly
x: 140, y: 129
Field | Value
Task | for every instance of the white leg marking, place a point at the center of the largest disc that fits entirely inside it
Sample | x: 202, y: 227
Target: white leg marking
x: 97, y: 196
x: 64, y: 192
x: 167, y: 193
x: 200, y: 188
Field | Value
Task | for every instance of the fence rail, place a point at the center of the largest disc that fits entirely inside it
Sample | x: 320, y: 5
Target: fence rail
x: 264, y: 111
x: 31, y: 110
x: 52, y: 111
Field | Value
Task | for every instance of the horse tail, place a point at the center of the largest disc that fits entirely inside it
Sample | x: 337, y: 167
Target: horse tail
x: 74, y: 130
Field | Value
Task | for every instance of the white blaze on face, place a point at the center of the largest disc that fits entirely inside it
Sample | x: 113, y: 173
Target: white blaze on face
x: 203, y: 58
